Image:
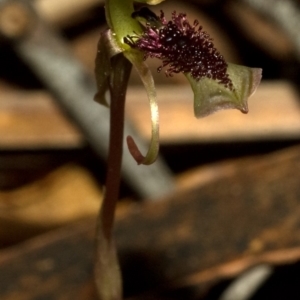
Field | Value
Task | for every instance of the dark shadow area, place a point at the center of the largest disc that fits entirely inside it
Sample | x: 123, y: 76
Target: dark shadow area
x: 186, y: 156
x: 283, y: 284
x: 141, y: 272
x: 16, y: 72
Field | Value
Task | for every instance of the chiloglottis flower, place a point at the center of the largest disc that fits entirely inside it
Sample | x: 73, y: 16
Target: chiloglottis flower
x: 182, y: 47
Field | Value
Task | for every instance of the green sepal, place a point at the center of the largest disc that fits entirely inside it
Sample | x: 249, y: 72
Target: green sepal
x: 211, y: 96
x: 118, y: 16
x: 137, y: 60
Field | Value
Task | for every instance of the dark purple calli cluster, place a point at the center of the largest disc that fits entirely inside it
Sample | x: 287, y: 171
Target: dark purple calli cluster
x: 183, y: 48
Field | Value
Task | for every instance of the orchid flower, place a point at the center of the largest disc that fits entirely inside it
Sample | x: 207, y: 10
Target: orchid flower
x: 183, y: 48
x: 132, y: 37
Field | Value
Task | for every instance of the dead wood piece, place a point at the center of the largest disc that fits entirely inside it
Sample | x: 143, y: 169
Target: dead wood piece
x: 60, y: 13
x: 284, y: 13
x: 31, y: 120
x: 192, y: 239
x: 266, y: 34
x: 15, y: 20
x: 57, y: 265
x: 66, y: 195
x: 246, y: 214
x: 274, y: 113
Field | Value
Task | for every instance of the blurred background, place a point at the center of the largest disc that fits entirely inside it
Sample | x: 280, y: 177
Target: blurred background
x: 223, y: 198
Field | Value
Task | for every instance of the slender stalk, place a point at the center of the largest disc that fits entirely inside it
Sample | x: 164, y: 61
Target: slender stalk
x: 118, y: 89
x: 107, y: 270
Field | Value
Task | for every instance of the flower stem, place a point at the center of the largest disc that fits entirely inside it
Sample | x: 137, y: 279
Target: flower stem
x: 107, y: 271
x: 118, y: 89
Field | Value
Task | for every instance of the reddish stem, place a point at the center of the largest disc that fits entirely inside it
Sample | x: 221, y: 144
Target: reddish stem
x: 118, y: 87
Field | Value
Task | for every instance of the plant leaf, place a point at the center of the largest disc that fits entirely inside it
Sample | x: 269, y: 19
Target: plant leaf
x: 107, y: 48
x: 211, y: 96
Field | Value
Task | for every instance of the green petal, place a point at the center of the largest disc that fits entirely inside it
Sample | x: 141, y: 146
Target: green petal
x: 136, y: 58
x: 211, y: 96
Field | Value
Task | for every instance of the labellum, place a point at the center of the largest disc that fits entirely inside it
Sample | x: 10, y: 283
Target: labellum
x: 185, y: 48
x: 182, y: 47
